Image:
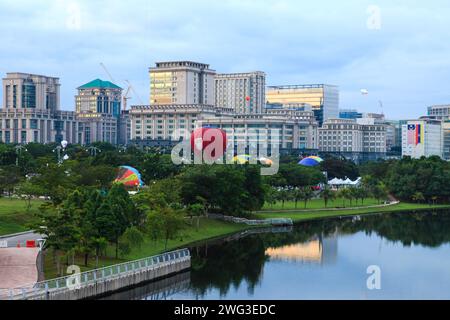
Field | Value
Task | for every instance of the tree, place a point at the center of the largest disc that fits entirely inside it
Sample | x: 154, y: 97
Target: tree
x: 345, y: 194
x: 132, y: 238
x: 166, y: 223
x: 27, y: 191
x: 196, y: 210
x: 284, y: 195
x: 307, y: 195
x: 270, y: 195
x: 418, y: 197
x: 380, y: 192
x: 327, y: 195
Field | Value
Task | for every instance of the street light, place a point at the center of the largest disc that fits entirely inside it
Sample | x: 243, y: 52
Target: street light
x: 93, y: 151
x: 60, y: 148
x: 19, y: 150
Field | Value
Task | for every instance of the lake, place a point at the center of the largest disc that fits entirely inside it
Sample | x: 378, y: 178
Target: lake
x: 326, y: 259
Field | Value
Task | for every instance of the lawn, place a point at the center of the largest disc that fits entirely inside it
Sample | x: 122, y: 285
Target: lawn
x: 208, y: 229
x: 319, y: 204
x: 301, y: 216
x: 15, y: 216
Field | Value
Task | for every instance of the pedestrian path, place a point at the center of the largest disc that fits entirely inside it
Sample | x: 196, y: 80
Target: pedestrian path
x: 18, y: 267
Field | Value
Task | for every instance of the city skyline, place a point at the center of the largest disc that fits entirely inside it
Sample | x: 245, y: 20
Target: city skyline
x: 401, y: 62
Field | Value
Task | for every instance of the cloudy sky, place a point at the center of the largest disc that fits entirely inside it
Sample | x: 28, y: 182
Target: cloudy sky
x: 398, y: 50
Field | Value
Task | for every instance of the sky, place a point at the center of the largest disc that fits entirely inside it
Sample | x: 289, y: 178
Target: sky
x: 398, y: 50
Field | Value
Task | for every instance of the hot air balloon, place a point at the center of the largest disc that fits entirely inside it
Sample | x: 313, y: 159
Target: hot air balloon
x: 199, y: 141
x: 312, y: 161
x: 364, y: 92
x: 241, y: 159
x: 129, y: 177
x: 265, y: 161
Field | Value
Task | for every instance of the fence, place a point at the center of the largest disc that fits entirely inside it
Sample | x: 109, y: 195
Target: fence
x: 265, y: 222
x: 42, y: 290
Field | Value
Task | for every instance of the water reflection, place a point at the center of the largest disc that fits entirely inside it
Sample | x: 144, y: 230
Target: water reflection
x: 327, y: 259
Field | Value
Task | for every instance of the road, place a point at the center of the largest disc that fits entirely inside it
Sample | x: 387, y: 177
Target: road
x: 22, y: 238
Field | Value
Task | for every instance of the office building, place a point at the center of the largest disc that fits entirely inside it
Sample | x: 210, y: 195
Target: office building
x: 350, y: 114
x: 98, y: 107
x: 439, y: 112
x: 352, y: 140
x: 30, y: 91
x: 294, y: 130
x: 323, y: 98
x: 243, y: 92
x: 181, y: 82
x: 422, y: 138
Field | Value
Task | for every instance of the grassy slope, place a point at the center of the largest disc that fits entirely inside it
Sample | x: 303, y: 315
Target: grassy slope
x: 208, y: 229
x: 14, y: 215
x: 301, y: 216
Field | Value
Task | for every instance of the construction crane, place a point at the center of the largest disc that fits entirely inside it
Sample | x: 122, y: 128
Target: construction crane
x: 126, y: 96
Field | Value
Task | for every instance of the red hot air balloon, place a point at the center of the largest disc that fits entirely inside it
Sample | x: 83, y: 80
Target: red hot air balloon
x: 247, y: 98
x: 203, y: 137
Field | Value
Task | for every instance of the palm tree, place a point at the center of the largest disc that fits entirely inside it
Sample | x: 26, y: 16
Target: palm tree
x: 327, y: 195
x: 418, y: 197
x: 307, y: 194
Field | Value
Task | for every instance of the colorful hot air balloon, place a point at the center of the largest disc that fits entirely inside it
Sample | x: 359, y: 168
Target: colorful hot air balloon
x: 199, y: 141
x: 265, y: 161
x: 129, y: 177
x: 312, y: 161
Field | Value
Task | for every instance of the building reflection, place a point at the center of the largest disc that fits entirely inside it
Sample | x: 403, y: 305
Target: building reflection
x: 321, y: 250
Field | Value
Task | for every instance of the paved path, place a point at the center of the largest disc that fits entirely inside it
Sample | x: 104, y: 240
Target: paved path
x: 18, y: 267
x: 13, y: 240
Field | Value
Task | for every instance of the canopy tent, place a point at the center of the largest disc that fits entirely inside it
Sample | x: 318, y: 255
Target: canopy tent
x: 346, y: 182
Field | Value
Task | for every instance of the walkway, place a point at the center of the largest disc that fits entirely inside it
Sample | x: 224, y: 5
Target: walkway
x: 329, y: 209
x: 18, y: 267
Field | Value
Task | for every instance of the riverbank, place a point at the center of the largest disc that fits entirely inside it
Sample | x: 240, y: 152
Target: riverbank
x: 299, y: 216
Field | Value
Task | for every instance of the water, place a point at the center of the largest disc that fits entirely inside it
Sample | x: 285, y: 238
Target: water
x: 320, y: 260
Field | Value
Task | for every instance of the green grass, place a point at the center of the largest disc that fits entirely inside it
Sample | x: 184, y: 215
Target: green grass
x: 208, y: 229
x: 302, y: 216
x: 15, y: 216
x: 318, y: 204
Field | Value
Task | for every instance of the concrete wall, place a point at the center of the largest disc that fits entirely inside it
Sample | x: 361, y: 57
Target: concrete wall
x: 119, y: 282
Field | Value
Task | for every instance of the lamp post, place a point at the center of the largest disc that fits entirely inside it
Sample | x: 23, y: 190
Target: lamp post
x: 93, y: 151
x: 60, y: 148
x: 19, y: 150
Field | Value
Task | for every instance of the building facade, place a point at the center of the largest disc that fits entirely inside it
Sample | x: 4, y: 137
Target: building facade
x: 181, y: 82
x: 352, y: 140
x: 349, y: 114
x: 243, y: 92
x: 439, y: 112
x: 31, y: 91
x: 323, y: 98
x: 422, y: 138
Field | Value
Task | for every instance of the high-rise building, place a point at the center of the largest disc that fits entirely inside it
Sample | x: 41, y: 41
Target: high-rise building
x: 181, y: 82
x: 98, y: 97
x: 243, y: 92
x: 98, y: 106
x: 30, y: 91
x: 323, y: 98
x: 422, y: 138
x: 446, y: 133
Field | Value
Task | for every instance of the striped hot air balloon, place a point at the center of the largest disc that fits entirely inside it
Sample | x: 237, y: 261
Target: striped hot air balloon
x: 129, y: 177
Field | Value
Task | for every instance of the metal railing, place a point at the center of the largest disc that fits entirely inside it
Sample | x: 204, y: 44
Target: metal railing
x: 265, y: 222
x: 79, y: 280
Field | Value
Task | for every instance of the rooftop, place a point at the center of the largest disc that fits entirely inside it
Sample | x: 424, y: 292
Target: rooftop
x: 97, y: 83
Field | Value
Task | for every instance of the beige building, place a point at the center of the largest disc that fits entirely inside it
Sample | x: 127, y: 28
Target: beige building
x: 323, y: 98
x: 353, y: 140
x: 181, y: 82
x: 158, y: 122
x: 30, y: 91
x: 243, y: 92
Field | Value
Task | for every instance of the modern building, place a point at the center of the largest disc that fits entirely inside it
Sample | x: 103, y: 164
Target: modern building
x: 352, y: 140
x: 31, y: 111
x: 294, y: 130
x: 21, y: 126
x: 422, y: 138
x: 30, y: 91
x: 98, y: 107
x: 323, y: 98
x: 350, y: 114
x: 182, y: 82
x: 439, y: 112
x: 155, y: 124
x: 243, y: 92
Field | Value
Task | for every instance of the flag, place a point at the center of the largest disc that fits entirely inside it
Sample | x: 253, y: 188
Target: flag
x: 414, y: 134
